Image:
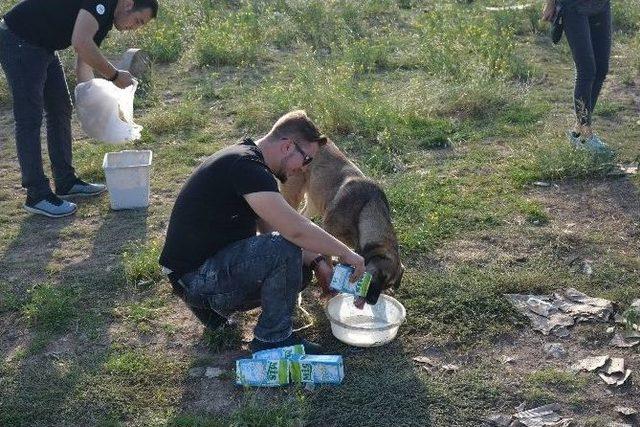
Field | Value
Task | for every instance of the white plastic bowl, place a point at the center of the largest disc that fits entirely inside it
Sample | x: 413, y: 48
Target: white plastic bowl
x: 372, y: 326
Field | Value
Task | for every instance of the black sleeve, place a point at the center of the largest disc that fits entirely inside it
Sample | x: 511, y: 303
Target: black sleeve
x: 252, y: 176
x: 102, y: 11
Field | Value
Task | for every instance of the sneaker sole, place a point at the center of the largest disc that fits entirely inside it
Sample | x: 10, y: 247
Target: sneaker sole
x: 64, y: 196
x: 45, y: 213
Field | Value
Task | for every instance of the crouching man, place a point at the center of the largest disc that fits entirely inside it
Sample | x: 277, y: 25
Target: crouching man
x: 213, y: 255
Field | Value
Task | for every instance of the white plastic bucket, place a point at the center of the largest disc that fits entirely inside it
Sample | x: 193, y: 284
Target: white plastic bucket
x: 127, y: 174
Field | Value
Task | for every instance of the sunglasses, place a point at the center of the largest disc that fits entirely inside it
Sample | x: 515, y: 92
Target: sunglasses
x: 306, y: 159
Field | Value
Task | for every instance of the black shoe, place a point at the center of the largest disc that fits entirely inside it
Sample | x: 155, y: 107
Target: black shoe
x: 82, y: 189
x: 309, y: 347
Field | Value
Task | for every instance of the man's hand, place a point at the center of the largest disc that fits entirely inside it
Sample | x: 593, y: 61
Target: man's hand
x: 549, y: 10
x: 125, y: 79
x: 324, y: 272
x: 357, y: 262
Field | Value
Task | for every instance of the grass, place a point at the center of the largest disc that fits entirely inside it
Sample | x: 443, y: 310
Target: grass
x: 455, y: 110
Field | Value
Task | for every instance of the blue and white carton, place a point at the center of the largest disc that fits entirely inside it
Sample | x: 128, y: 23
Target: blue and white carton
x: 262, y: 372
x: 340, y: 281
x: 317, y: 369
x: 279, y: 353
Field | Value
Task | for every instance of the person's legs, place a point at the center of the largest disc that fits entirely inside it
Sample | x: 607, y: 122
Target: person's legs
x: 57, y: 106
x: 25, y: 67
x: 578, y: 32
x: 600, y: 26
x: 268, y: 264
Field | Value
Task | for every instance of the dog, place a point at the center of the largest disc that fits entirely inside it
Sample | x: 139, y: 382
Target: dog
x: 354, y: 209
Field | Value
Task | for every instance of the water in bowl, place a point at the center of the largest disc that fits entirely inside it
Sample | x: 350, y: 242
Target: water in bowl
x: 363, y: 321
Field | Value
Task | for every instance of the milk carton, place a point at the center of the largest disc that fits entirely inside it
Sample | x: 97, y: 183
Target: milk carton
x: 262, y: 372
x: 340, y: 281
x: 317, y: 369
x: 279, y: 353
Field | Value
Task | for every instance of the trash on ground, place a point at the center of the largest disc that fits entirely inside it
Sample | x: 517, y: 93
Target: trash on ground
x: 543, y: 416
x: 556, y: 350
x: 262, y: 372
x: 279, y: 353
x: 611, y: 370
x: 590, y: 364
x: 196, y: 372
x: 626, y: 411
x: 213, y: 372
x: 425, y: 360
x: 615, y: 366
x: 450, y: 367
x: 505, y: 8
x: 317, y: 369
x: 507, y: 359
x: 281, y: 366
x: 552, y: 314
x: 541, y: 184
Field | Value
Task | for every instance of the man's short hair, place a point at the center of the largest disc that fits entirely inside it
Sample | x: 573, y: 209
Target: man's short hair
x: 146, y: 4
x: 298, y: 125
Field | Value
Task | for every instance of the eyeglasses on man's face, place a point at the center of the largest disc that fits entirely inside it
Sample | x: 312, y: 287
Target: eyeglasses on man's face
x: 306, y: 159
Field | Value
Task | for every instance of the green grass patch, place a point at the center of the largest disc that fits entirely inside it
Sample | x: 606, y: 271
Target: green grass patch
x: 141, y: 264
x: 550, y: 385
x: 50, y: 308
x: 234, y: 39
x: 176, y: 119
x: 547, y: 161
x: 9, y: 298
x: 464, y: 306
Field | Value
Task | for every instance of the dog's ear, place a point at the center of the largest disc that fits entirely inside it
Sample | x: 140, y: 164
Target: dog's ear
x: 396, y: 284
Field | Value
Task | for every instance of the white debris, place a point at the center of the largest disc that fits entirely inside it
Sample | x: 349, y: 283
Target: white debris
x: 590, y: 364
x: 626, y: 411
x: 556, y: 350
x: 552, y: 314
x: 543, y: 416
x: 213, y: 372
x: 615, y: 366
x: 424, y: 360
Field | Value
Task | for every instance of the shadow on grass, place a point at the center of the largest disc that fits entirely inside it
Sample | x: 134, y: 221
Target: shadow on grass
x: 44, y: 372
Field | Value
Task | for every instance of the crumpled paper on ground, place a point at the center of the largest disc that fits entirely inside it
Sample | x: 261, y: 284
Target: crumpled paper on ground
x: 553, y: 314
x: 611, y: 370
x: 543, y: 416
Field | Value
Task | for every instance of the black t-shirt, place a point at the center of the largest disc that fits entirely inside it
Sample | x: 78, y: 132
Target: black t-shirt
x: 210, y: 211
x: 49, y: 23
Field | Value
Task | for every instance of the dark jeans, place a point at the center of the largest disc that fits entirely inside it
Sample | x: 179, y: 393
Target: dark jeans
x: 36, y: 81
x: 265, y: 270
x: 589, y: 37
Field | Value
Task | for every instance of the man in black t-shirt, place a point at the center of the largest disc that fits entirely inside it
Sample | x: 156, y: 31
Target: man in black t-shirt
x: 30, y: 35
x: 212, y: 254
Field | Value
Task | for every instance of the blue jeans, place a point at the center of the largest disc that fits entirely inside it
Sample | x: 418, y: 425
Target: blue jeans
x: 264, y: 270
x: 589, y: 37
x: 36, y: 81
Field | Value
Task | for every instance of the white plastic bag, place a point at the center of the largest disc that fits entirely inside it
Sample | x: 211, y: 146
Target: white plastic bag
x: 106, y: 111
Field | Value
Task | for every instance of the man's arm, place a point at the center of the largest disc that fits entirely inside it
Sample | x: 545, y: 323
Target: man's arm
x: 275, y: 211
x: 84, y: 30
x: 84, y: 72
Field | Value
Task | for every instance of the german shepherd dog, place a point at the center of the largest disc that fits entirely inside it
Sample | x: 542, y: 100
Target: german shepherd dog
x: 354, y: 209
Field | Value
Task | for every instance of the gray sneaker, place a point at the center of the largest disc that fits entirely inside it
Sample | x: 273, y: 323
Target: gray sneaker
x: 51, y: 206
x: 82, y: 189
